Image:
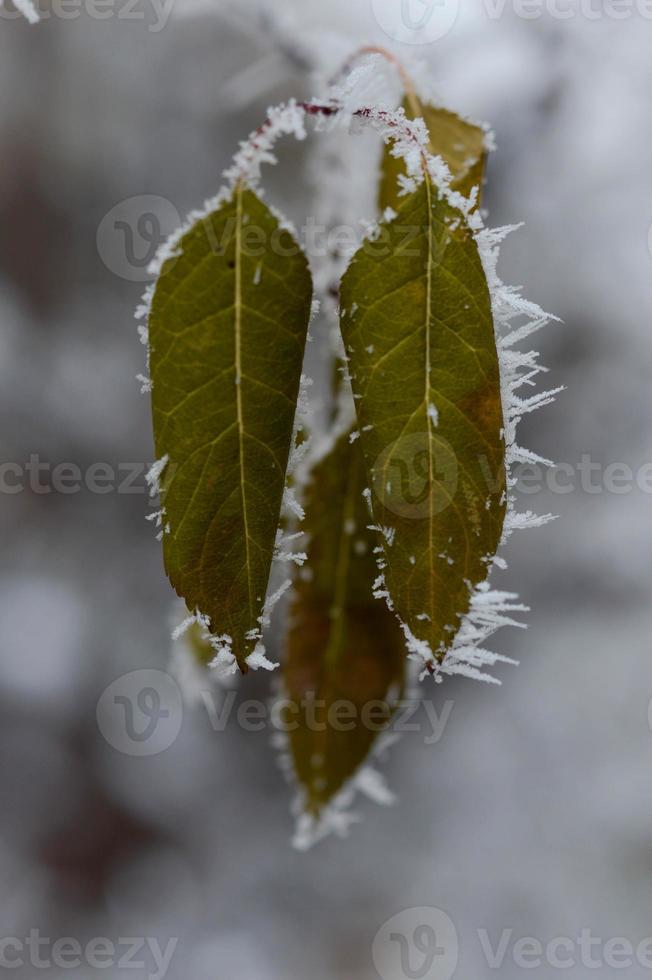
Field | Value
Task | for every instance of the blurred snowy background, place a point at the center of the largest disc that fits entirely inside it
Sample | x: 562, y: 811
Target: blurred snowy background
x: 533, y: 812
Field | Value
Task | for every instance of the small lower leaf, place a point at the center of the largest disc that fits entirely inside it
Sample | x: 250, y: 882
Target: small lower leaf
x: 342, y: 645
x: 227, y: 330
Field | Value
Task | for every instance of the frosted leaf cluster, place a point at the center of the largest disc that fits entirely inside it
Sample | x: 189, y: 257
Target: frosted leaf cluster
x: 515, y: 319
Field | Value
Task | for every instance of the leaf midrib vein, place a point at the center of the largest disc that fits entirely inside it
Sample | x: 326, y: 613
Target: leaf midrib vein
x: 237, y: 305
x: 427, y: 392
x: 342, y: 565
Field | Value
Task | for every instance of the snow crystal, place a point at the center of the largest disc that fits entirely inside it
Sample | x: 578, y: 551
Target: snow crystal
x: 281, y: 554
x: 154, y: 473
x: 388, y: 533
x: 291, y: 505
x: 224, y: 663
x: 27, y: 9
x: 283, y: 120
x: 257, y: 660
x: 272, y: 600
x: 157, y: 519
x: 189, y: 673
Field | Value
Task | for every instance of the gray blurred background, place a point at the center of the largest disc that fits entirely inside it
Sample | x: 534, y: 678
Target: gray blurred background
x: 533, y: 812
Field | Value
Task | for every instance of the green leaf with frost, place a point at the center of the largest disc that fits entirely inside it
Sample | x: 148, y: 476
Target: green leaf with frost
x: 342, y: 644
x: 461, y: 144
x: 227, y: 330
x: 418, y: 328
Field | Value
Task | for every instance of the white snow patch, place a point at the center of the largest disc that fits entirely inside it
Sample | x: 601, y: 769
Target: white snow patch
x: 27, y: 8
x: 257, y: 660
x: 154, y: 474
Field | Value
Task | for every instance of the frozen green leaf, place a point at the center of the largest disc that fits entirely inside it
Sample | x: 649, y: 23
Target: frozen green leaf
x: 227, y: 330
x: 345, y: 652
x: 418, y: 327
